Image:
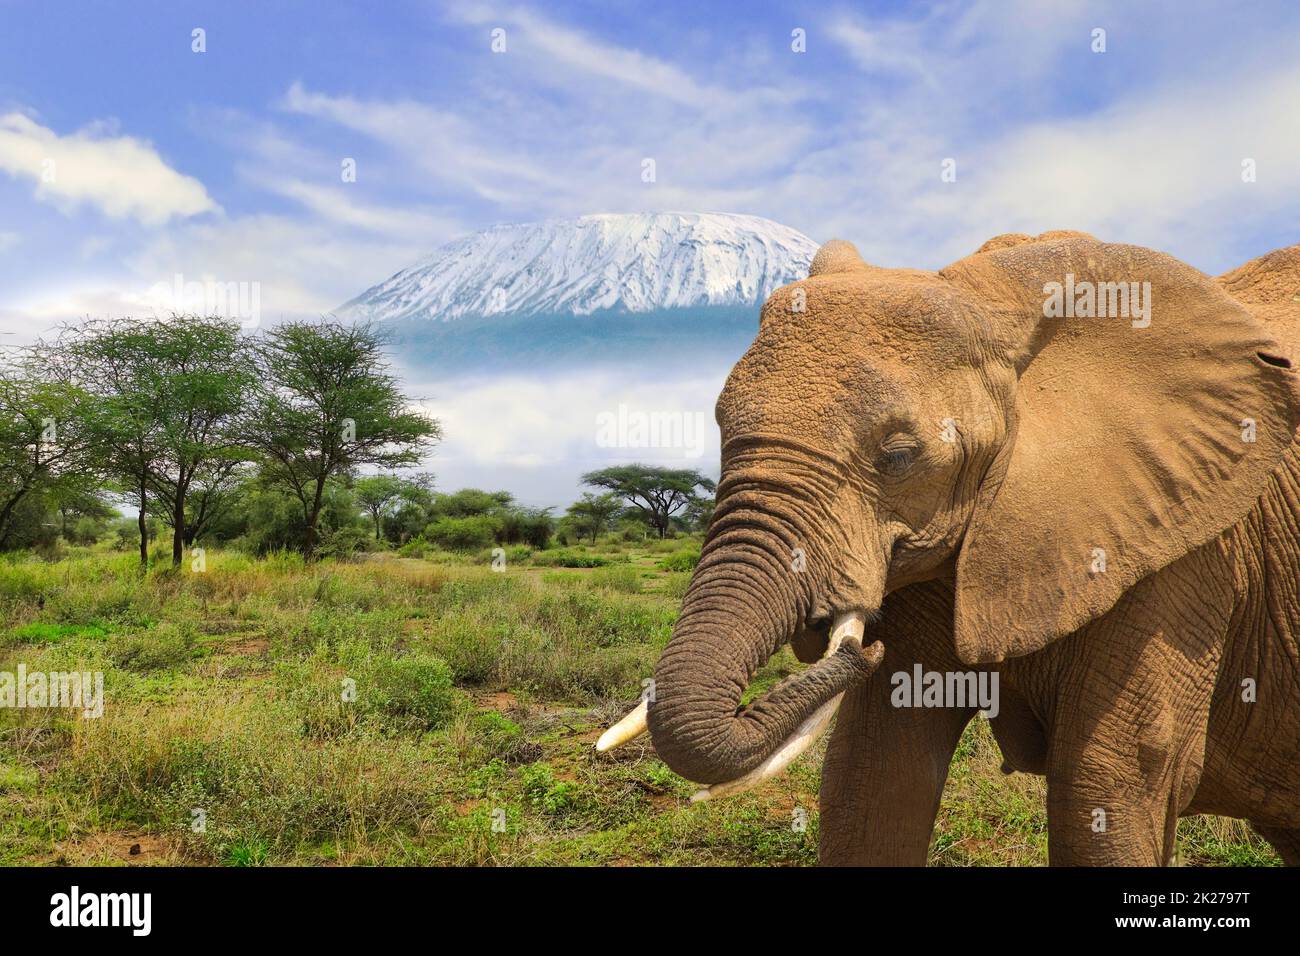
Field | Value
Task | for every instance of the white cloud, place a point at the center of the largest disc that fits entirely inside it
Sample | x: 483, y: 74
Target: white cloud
x: 40, y: 313
x: 1155, y: 161
x: 542, y: 433
x: 121, y: 176
x: 332, y: 203
x: 591, y: 56
x: 561, y: 124
x: 892, y: 48
x: 302, y: 268
x: 454, y: 150
x: 8, y: 240
x: 1164, y: 171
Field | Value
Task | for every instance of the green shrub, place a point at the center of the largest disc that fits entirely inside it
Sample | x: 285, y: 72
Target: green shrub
x: 463, y: 534
x: 167, y: 645
x: 530, y: 526
x: 625, y: 579
x: 412, y: 692
x: 553, y: 797
x: 87, y: 530
x: 315, y: 695
x: 513, y: 554
x: 417, y: 547
x: 345, y: 542
x: 663, y: 545
x: 675, y: 584
x: 497, y: 730
x: 503, y: 739
x: 564, y: 558
x: 604, y: 620
x: 252, y: 853
x: 683, y: 560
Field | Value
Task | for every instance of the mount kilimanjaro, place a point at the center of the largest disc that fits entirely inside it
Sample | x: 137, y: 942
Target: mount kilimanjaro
x: 598, y: 289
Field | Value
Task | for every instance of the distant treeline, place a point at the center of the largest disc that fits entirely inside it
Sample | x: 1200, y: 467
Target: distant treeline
x: 262, y: 442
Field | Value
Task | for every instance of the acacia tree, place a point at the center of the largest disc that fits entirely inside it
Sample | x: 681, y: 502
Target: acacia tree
x: 658, y: 493
x: 378, y: 495
x: 47, y: 442
x: 171, y: 396
x: 204, y: 376
x: 213, y: 492
x: 593, y: 512
x: 698, y: 514
x: 409, y: 513
x: 326, y: 404
x: 107, y: 359
x: 74, y: 500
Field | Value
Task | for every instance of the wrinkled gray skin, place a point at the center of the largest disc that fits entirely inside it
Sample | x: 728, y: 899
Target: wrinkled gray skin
x: 974, y: 547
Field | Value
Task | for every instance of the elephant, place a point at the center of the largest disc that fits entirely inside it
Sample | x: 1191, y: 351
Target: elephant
x: 1064, y: 467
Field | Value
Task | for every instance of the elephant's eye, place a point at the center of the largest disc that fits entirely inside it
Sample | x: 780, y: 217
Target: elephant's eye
x: 897, y: 455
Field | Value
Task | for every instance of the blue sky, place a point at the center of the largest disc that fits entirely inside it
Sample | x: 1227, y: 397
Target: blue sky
x: 226, y: 164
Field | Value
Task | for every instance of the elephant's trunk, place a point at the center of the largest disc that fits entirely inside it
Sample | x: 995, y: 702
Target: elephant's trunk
x: 743, y: 603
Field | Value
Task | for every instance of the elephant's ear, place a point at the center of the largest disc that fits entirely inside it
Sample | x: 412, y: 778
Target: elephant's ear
x: 1269, y: 287
x: 1134, y: 438
x: 834, y: 257
x: 837, y: 255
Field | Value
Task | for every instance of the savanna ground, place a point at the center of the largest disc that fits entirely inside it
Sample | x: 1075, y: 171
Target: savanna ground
x: 225, y: 738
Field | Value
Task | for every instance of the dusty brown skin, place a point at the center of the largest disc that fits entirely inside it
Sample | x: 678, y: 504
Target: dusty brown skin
x: 1124, y: 686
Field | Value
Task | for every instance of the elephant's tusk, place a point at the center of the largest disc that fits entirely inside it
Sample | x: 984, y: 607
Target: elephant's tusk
x: 852, y: 624
x: 630, y: 727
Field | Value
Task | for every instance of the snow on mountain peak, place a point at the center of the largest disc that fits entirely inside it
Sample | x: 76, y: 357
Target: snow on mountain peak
x: 637, y: 262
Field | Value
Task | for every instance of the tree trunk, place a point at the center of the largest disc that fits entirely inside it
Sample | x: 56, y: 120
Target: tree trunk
x: 144, y: 526
x: 6, y: 515
x: 200, y: 522
x: 178, y: 528
x: 309, y: 537
x: 309, y: 546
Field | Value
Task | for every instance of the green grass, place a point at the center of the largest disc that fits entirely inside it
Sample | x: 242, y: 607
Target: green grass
x: 42, y: 632
x: 684, y: 560
x: 568, y: 558
x: 404, y: 710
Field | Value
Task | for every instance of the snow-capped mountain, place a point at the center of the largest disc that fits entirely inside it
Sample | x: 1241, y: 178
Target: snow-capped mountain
x: 633, y: 263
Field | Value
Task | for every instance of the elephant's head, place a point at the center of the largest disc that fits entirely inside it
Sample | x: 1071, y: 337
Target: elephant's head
x: 889, y: 426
